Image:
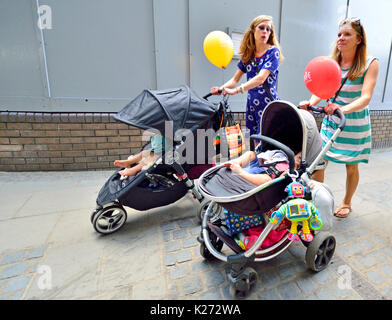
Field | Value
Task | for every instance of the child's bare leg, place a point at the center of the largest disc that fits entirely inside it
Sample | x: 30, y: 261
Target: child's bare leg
x: 130, y: 161
x: 131, y: 172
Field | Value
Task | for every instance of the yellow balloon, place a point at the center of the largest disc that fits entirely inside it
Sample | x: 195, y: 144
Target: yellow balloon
x: 218, y: 48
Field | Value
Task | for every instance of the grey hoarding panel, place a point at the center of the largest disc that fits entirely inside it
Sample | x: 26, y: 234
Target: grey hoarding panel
x: 100, y: 49
x: 206, y: 16
x: 20, y: 72
x: 171, y: 43
x: 375, y: 17
x: 309, y: 28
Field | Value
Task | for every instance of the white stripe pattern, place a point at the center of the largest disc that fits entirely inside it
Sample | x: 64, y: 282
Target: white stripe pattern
x: 359, y: 127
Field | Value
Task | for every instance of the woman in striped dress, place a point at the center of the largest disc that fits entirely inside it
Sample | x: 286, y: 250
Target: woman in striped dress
x: 359, y: 76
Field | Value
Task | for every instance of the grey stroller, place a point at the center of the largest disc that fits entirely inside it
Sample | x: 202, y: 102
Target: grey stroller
x: 291, y: 130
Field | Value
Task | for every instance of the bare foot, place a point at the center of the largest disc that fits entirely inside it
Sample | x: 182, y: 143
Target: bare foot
x: 122, y: 163
x: 127, y: 172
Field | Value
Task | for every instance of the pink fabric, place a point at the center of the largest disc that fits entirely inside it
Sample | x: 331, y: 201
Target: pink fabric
x: 273, y: 237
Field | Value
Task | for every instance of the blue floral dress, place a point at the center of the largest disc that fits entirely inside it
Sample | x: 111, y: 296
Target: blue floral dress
x: 257, y: 97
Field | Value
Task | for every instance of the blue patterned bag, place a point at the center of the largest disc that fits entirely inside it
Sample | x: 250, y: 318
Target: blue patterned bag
x: 237, y: 223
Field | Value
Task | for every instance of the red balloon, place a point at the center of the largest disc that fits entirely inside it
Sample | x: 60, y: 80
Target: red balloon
x: 322, y: 77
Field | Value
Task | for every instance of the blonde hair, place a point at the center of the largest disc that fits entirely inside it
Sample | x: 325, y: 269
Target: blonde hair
x: 359, y: 63
x: 248, y: 44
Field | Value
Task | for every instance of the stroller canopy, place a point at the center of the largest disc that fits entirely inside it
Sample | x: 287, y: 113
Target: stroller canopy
x: 151, y: 108
x: 294, y: 127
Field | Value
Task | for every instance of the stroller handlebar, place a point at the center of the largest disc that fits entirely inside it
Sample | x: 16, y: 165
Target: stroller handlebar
x: 210, y: 94
x: 279, y: 145
x: 337, y: 113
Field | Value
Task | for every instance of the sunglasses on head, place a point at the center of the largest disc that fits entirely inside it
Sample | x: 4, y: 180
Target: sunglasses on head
x: 352, y: 20
x: 262, y: 28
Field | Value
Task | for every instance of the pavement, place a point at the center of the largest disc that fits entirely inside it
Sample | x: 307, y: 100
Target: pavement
x: 50, y: 250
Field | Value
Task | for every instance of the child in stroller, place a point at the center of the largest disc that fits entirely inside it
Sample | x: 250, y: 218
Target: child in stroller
x: 166, y: 179
x: 288, y: 129
x: 263, y: 167
x: 142, y: 160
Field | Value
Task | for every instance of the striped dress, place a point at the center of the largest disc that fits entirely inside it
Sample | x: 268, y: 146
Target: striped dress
x: 353, y: 145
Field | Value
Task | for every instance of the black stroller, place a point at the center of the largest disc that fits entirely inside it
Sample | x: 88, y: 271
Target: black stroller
x: 170, y: 177
x: 291, y: 130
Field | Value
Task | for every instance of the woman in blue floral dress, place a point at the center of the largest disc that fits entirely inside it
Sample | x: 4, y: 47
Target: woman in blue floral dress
x: 260, y: 58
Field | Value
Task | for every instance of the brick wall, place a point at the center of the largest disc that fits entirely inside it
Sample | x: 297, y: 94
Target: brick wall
x: 92, y: 141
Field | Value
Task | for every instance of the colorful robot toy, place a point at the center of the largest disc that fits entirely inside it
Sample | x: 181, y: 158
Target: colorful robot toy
x: 298, y: 210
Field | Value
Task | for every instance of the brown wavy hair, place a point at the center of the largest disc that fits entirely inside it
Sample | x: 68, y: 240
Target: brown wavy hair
x: 359, y: 63
x: 248, y: 44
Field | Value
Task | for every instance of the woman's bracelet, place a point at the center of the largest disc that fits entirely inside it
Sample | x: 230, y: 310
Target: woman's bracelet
x: 241, y: 88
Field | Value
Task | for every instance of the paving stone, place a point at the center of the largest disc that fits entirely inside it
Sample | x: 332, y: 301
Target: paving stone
x: 286, y: 271
x: 168, y: 226
x: 342, y: 293
x: 387, y: 269
x: 325, y: 293
x: 269, y: 278
x: 172, y: 246
x: 170, y: 259
x: 199, y: 266
x: 12, y: 257
x: 322, y: 277
x: 180, y: 234
x: 289, y: 291
x: 17, y: 295
x: 377, y: 255
x: 270, y: 294
x: 366, y: 244
x: 387, y: 251
x: 195, y: 231
x: 192, y: 285
x: 173, y: 290
x: 14, y: 270
x: 16, y: 284
x: 367, y: 260
x: 214, y: 278
x: 311, y: 297
x: 190, y: 242
x: 298, y: 251
x: 375, y: 277
x: 354, y: 248
x: 178, y: 272
x: 306, y: 284
x: 212, y: 294
x: 36, y: 253
x: 185, y: 223
x: 167, y: 236
x: 183, y: 256
x: 379, y: 240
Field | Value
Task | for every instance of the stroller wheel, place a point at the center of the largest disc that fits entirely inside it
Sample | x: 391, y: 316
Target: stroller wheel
x: 243, y: 283
x: 93, y: 213
x: 109, y: 219
x: 202, y: 209
x: 216, y: 243
x: 320, y: 251
x: 205, y: 253
x: 216, y: 210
